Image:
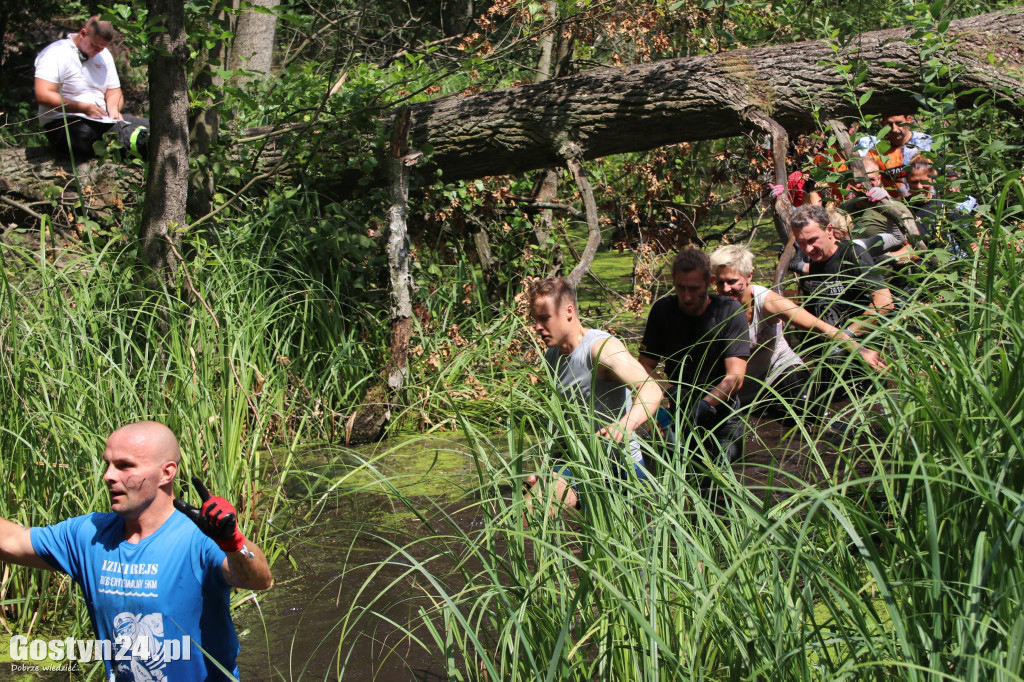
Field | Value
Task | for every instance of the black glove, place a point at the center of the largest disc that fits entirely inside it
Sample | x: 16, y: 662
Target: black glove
x: 216, y: 518
x: 704, y: 414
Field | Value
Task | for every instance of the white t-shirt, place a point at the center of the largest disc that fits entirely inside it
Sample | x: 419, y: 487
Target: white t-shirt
x: 79, y: 81
x: 770, y: 355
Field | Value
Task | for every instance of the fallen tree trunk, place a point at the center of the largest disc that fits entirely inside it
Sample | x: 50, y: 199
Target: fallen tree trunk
x: 611, y: 111
x: 37, y: 182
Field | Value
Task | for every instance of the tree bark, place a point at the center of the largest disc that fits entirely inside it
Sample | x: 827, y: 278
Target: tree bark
x: 611, y: 111
x: 488, y: 264
x: 546, y: 185
x: 369, y: 422
x: 205, y: 119
x: 253, y: 46
x: 163, y: 215
x: 399, y: 256
x: 590, y: 209
x: 35, y: 175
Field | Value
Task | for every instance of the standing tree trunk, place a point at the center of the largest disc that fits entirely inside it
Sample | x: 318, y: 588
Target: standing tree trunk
x: 369, y: 422
x: 456, y: 16
x: 547, y: 45
x: 163, y: 215
x: 205, y: 119
x: 398, y: 254
x: 488, y: 264
x: 546, y: 186
x: 253, y: 46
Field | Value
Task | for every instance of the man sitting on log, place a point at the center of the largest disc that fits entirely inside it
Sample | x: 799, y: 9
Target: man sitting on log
x: 79, y: 94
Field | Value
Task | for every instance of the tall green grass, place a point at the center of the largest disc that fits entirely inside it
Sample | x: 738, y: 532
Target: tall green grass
x: 903, y: 560
x: 242, y: 365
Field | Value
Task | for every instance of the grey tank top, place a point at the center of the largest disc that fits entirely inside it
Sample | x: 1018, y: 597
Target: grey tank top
x: 578, y: 383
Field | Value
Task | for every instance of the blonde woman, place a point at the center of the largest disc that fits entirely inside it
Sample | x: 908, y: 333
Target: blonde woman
x: 772, y: 362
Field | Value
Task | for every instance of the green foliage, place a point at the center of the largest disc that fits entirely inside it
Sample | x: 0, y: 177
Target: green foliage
x: 910, y: 569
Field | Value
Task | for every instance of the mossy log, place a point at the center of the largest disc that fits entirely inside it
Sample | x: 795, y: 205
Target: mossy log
x: 34, y: 182
x: 612, y: 111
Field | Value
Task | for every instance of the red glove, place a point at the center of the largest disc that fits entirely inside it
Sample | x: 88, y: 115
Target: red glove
x: 217, y: 518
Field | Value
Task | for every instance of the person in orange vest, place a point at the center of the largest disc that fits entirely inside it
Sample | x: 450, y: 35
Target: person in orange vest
x: 905, y: 145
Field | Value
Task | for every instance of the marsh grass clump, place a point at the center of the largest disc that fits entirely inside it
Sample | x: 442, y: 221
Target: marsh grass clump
x: 895, y: 552
x: 236, y: 366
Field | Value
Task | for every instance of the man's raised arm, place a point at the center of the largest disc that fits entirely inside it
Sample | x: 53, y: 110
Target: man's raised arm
x: 244, y: 566
x: 248, y: 573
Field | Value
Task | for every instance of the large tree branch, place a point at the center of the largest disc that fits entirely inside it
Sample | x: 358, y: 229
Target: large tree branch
x: 612, y: 111
x: 631, y: 109
x: 571, y: 153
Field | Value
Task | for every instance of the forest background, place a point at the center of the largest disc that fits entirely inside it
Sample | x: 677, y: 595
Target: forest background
x: 271, y: 320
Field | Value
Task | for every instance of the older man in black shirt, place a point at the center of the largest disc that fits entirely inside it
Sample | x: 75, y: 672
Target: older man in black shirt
x: 842, y: 283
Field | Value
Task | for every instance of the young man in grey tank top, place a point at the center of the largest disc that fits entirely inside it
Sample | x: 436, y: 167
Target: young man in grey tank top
x: 594, y: 370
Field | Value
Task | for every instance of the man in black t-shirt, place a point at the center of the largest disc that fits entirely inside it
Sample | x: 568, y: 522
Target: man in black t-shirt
x: 704, y: 342
x: 842, y: 286
x: 842, y: 282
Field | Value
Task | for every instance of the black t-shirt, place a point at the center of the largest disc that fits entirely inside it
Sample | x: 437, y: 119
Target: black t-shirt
x: 841, y: 287
x: 928, y: 214
x: 695, y: 348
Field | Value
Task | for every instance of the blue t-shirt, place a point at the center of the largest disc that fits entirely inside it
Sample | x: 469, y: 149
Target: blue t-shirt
x: 161, y: 600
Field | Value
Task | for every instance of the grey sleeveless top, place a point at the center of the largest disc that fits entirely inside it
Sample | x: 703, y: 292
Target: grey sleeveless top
x: 578, y: 383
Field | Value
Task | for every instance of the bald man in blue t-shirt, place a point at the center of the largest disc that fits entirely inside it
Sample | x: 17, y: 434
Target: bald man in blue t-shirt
x: 156, y: 572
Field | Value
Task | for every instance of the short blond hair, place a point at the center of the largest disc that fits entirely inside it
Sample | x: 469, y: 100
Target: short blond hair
x: 735, y: 257
x: 839, y: 221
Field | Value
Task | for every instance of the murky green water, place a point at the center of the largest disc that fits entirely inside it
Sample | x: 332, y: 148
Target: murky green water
x: 299, y: 629
x: 341, y: 536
